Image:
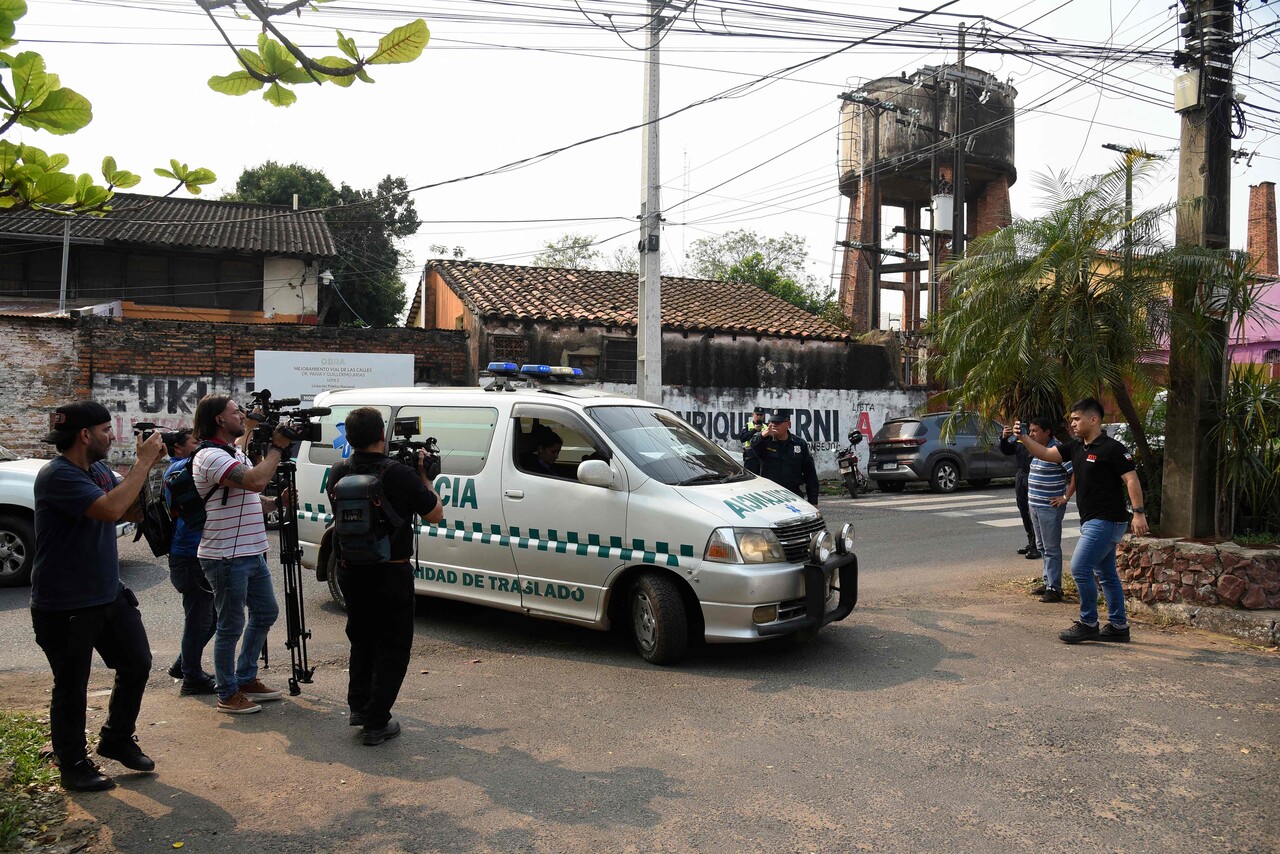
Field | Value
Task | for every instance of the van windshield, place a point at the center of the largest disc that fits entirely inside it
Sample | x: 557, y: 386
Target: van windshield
x: 664, y: 447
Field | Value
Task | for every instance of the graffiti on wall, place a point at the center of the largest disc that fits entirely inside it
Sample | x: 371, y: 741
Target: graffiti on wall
x: 168, y: 401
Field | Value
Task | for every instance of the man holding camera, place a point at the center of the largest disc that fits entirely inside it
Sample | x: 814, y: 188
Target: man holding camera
x: 77, y: 601
x: 785, y: 458
x: 233, y: 550
x: 379, y: 594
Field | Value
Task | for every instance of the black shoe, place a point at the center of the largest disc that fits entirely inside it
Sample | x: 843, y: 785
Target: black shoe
x: 1022, y: 550
x: 381, y: 734
x: 1032, y: 554
x: 356, y: 719
x: 84, y: 776
x: 1051, y: 596
x: 1079, y: 632
x: 1039, y: 590
x: 175, y: 669
x: 199, y: 688
x: 1112, y: 634
x: 127, y: 753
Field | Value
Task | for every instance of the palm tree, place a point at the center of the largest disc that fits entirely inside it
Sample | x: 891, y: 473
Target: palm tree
x: 1070, y: 304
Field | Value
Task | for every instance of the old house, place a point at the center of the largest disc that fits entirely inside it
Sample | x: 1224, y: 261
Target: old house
x: 161, y: 258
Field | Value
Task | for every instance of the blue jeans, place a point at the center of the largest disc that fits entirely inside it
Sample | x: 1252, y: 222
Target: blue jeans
x: 239, y: 583
x: 1096, y: 552
x: 1047, y: 520
x: 187, y: 576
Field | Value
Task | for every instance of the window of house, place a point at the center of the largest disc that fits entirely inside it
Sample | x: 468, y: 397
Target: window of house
x: 618, y: 363
x: 507, y: 348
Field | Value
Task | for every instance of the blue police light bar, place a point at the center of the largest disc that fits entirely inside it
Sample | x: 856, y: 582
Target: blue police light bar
x: 536, y: 370
x: 503, y: 368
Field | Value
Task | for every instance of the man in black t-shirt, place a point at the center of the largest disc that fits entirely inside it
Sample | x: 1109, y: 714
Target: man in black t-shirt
x: 1103, y: 470
x: 380, y: 596
x: 77, y: 601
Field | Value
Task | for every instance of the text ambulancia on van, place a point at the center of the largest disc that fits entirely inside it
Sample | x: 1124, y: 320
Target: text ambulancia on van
x: 574, y: 504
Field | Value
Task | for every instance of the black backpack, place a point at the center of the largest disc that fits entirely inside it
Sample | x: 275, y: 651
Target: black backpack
x: 183, y: 498
x: 363, y: 520
x: 156, y: 524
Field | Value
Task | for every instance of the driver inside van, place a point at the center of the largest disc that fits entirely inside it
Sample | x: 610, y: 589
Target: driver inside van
x: 546, y: 445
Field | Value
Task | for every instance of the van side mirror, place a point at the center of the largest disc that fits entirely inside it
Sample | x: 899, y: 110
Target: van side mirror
x: 596, y: 473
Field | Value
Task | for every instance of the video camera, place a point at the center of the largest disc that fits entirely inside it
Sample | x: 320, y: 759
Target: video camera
x: 270, y: 414
x: 144, y: 429
x: 405, y: 450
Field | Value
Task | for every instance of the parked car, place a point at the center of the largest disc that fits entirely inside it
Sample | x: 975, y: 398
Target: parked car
x: 17, y: 517
x: 912, y: 448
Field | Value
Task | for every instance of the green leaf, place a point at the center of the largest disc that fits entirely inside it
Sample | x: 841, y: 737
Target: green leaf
x: 7, y: 202
x: 9, y: 155
x: 30, y: 81
x: 193, y: 189
x: 62, y: 111
x: 178, y: 168
x: 108, y: 166
x: 6, y: 99
x: 200, y: 176
x: 343, y: 80
x: 403, y: 44
x: 83, y: 182
x: 52, y: 188
x: 279, y: 95
x: 124, y: 180
x: 363, y: 76
x: 276, y: 59
x: 165, y: 173
x: 10, y: 12
x: 236, y: 83
x: 296, y: 76
x: 93, y: 197
x: 348, y: 46
x: 252, y: 60
x: 58, y: 162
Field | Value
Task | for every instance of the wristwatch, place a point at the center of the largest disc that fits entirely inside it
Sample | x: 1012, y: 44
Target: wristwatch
x: 1140, y: 510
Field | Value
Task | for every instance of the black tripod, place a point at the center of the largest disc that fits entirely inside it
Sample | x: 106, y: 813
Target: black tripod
x: 286, y: 484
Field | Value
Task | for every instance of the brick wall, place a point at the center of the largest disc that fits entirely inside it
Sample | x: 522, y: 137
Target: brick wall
x: 1262, y: 239
x: 157, y: 370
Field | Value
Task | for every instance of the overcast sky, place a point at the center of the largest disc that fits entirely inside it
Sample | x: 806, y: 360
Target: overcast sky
x: 509, y: 79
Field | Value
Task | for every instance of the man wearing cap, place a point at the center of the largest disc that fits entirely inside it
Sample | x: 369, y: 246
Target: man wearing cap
x: 749, y: 459
x: 78, y: 604
x: 188, y: 579
x: 785, y: 458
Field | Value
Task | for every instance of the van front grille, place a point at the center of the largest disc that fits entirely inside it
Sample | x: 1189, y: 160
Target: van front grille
x: 795, y: 537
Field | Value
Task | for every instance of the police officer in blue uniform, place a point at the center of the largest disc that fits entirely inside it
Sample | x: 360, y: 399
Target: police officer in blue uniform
x: 785, y: 458
x: 750, y: 461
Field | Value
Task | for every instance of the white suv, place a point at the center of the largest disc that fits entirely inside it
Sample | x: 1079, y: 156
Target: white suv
x: 17, y: 517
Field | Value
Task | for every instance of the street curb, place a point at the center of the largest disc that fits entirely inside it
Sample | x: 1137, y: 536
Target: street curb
x: 1260, y: 627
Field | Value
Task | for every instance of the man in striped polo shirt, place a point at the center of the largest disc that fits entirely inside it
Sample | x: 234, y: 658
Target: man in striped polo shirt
x: 233, y: 550
x: 1049, y: 488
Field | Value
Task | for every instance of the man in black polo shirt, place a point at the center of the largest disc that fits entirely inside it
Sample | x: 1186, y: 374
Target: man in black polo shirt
x: 1103, y: 470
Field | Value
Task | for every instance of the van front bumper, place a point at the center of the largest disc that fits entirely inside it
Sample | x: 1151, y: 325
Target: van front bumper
x: 734, y: 623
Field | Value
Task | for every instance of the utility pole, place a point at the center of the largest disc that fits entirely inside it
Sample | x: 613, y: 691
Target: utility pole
x: 649, y: 310
x: 1131, y: 156
x: 1204, y: 174
x: 957, y: 212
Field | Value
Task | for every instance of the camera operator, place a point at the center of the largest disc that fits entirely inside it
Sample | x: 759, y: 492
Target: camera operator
x: 380, y: 596
x: 77, y: 601
x: 233, y: 550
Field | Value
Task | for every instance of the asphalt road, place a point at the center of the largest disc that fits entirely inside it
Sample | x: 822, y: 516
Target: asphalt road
x: 943, y: 715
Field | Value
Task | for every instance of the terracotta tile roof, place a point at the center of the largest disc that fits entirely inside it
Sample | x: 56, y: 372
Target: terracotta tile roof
x: 510, y: 292
x: 187, y: 223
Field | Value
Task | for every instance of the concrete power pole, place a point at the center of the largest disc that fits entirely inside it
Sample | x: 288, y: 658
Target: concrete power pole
x: 1204, y: 173
x: 649, y: 314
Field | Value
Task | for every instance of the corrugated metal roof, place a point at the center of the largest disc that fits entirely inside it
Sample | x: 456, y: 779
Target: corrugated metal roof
x: 187, y: 223
x: 506, y: 291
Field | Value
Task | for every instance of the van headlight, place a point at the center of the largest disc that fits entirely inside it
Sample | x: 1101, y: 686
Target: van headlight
x: 844, y: 542
x: 822, y: 545
x: 744, y: 545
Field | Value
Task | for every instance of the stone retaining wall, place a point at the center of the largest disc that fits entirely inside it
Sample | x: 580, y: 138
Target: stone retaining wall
x: 1155, y: 570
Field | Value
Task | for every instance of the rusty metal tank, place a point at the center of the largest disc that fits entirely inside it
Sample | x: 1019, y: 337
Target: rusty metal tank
x: 918, y: 107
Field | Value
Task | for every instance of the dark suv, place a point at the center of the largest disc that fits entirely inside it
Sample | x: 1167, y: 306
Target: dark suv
x: 911, y: 449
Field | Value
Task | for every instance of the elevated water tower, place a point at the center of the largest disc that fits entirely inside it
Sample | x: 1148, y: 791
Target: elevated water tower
x: 898, y: 150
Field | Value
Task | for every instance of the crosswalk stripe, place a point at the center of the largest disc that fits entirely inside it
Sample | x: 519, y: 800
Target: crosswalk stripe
x: 947, y: 505
x: 954, y: 498
x: 1002, y: 523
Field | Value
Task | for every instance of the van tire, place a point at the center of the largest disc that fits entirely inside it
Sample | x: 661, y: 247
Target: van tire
x: 659, y: 624
x: 946, y: 474
x: 17, y: 550
x: 331, y: 577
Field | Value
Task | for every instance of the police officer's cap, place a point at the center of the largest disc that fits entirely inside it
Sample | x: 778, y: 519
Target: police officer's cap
x: 760, y: 410
x: 777, y: 416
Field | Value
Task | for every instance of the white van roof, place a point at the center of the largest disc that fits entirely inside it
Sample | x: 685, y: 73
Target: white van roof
x: 426, y: 394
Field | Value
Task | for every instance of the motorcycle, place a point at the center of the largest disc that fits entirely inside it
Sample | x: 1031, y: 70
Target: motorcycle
x: 850, y: 470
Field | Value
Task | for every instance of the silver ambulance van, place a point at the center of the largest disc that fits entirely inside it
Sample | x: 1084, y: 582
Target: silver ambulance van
x: 638, y: 520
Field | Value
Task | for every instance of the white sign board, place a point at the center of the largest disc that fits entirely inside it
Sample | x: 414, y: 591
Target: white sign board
x: 301, y: 374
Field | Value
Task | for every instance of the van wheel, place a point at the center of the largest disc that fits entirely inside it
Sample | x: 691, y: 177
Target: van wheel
x: 945, y: 477
x: 659, y: 624
x: 331, y: 576
x: 17, y: 551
